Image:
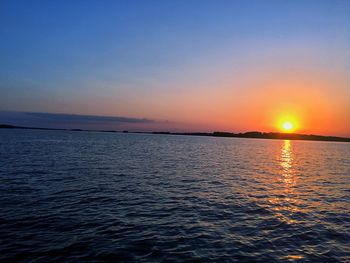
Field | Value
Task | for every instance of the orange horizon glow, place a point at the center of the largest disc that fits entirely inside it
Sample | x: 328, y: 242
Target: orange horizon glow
x: 262, y: 99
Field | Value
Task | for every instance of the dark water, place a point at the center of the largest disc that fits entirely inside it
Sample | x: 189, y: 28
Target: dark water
x: 92, y: 197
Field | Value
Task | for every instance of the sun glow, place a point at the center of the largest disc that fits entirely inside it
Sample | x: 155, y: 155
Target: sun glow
x: 287, y: 125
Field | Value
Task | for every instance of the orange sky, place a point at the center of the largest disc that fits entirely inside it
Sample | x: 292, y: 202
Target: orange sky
x: 316, y: 98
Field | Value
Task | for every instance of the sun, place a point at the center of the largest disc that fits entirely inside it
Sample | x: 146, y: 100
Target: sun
x: 287, y: 124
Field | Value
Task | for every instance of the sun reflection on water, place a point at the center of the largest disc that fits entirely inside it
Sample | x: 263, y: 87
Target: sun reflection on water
x: 284, y: 201
x: 286, y: 161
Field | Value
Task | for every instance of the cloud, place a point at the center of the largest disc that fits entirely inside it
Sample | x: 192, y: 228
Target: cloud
x: 86, y: 118
x: 60, y: 120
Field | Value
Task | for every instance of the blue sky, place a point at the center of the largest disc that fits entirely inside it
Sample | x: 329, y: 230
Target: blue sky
x: 146, y: 58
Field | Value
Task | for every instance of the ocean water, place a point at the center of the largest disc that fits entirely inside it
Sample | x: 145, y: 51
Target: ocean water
x: 98, y: 197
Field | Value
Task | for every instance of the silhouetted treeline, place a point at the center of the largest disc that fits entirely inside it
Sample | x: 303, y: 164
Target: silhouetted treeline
x: 266, y: 135
x: 251, y: 134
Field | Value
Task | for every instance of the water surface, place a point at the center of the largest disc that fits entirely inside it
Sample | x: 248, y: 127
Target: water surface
x: 92, y: 197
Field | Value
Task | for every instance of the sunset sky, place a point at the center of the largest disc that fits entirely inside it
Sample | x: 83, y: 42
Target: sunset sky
x: 177, y: 65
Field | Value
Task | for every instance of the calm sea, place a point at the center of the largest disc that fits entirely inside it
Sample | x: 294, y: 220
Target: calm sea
x: 92, y: 197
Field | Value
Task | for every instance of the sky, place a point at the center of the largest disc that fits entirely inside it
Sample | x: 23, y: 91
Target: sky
x: 176, y: 65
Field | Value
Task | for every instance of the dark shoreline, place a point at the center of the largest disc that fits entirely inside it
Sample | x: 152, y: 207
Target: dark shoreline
x: 249, y: 135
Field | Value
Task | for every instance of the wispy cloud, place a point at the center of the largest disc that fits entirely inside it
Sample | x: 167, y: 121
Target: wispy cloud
x: 60, y: 120
x: 86, y: 118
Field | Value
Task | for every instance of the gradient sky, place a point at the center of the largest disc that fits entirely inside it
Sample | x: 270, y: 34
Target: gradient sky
x: 184, y: 65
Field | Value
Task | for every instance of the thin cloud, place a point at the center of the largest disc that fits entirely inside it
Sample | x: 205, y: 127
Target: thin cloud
x: 86, y: 118
x: 61, y: 120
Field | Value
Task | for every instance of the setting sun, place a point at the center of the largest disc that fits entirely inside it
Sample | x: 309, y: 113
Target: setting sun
x: 287, y: 126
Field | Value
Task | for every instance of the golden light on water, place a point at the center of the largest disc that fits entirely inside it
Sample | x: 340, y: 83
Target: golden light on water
x: 285, y: 201
x: 293, y: 257
x: 286, y: 159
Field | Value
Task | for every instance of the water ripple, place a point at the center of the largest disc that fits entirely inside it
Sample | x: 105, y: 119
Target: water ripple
x: 98, y: 197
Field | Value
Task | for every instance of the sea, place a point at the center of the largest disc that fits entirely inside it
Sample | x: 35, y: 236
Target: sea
x: 75, y: 196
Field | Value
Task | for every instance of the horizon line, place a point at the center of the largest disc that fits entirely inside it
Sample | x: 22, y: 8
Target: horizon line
x: 248, y: 134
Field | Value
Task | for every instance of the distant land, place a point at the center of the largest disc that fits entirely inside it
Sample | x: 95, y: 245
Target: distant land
x: 252, y: 134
